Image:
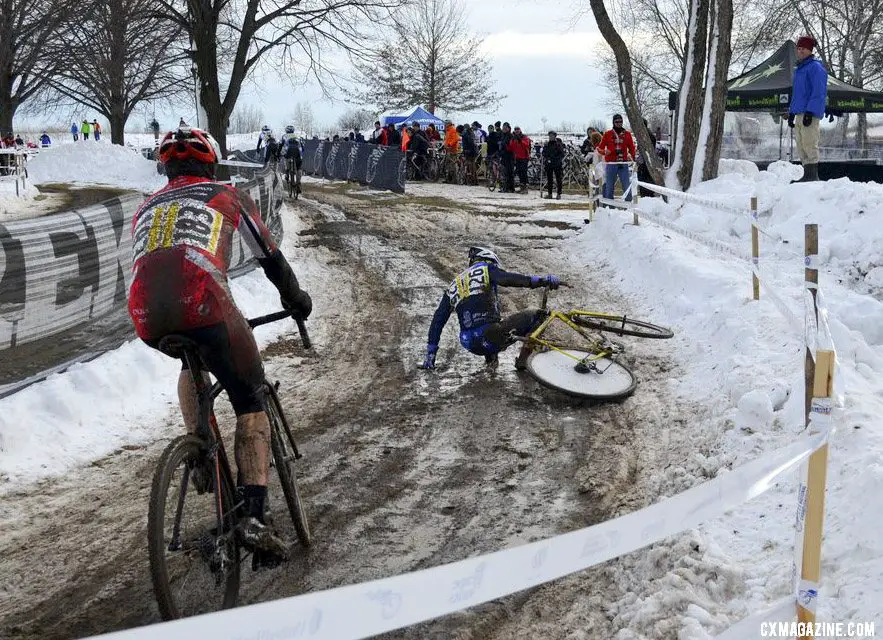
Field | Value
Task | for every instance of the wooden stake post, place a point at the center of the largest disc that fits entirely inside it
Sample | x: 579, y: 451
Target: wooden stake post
x: 755, y: 249
x: 819, y: 377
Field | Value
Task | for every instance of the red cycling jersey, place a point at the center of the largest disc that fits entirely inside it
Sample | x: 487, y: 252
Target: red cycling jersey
x: 182, y: 238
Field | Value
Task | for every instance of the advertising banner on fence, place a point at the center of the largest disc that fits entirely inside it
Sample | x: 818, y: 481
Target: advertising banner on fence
x: 376, y: 166
x: 66, y: 269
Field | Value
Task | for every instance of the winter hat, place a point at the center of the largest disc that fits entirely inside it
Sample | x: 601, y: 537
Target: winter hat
x: 616, y: 117
x: 806, y: 42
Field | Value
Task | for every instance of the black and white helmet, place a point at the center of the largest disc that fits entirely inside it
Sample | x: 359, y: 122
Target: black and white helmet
x: 483, y: 254
x: 289, y: 128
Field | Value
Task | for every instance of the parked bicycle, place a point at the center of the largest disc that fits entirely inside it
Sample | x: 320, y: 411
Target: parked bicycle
x: 195, y: 556
x: 586, y: 364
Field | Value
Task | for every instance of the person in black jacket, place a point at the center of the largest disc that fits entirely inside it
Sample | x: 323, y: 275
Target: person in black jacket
x: 553, y: 160
x: 418, y: 148
x: 507, y: 159
x: 393, y: 137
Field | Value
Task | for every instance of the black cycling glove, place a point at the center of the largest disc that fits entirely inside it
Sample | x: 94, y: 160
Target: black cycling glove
x: 791, y: 120
x: 807, y: 119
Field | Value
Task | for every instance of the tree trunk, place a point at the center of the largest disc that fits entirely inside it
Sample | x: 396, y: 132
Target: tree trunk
x: 117, y: 126
x: 8, y: 102
x: 206, y: 59
x: 627, y: 89
x: 690, y: 101
x: 723, y: 27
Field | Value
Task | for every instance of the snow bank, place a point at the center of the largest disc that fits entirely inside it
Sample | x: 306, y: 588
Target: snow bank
x: 93, y: 162
x: 12, y: 204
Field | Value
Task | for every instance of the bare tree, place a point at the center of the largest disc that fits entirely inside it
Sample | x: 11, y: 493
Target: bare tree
x: 27, y: 29
x: 122, y: 56
x: 303, y: 118
x: 356, y: 119
x: 230, y: 38
x: 246, y: 119
x: 625, y: 80
x: 427, y: 59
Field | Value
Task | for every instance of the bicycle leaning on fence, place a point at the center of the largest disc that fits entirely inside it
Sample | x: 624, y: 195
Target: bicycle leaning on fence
x: 583, y: 361
x: 195, y: 556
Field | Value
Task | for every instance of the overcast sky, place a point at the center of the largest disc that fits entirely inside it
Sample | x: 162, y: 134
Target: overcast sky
x: 543, y: 66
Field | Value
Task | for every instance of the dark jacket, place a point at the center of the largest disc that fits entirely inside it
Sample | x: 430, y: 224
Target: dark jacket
x: 419, y: 143
x: 493, y: 142
x: 505, y: 139
x: 393, y: 138
x: 553, y: 152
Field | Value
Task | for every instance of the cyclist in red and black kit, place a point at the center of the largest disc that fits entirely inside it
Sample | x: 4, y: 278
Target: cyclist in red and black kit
x: 182, y: 238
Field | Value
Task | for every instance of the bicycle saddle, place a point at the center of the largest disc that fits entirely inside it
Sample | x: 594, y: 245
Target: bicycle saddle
x: 176, y: 345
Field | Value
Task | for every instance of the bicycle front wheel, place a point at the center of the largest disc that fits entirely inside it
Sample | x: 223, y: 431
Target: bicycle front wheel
x: 601, y: 379
x: 619, y: 325
x: 282, y: 444
x: 194, y: 563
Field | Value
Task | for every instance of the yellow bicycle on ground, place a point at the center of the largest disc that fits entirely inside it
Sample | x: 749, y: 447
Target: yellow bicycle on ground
x: 586, y: 364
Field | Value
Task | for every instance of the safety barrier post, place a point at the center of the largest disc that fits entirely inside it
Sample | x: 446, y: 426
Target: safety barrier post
x: 755, y: 249
x: 635, y: 207
x: 819, y: 376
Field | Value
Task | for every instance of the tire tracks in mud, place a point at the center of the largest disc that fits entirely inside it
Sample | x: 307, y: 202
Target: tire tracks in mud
x: 401, y: 470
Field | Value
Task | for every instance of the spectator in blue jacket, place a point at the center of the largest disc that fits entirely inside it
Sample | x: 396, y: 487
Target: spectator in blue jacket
x: 808, y: 94
x: 75, y: 131
x: 45, y: 140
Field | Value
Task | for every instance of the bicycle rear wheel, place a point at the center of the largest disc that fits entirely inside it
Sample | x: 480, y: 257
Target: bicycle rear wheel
x: 602, y: 379
x: 619, y: 325
x: 282, y: 444
x: 194, y: 567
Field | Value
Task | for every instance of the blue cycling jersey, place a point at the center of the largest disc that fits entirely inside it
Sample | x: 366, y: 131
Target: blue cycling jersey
x: 473, y: 294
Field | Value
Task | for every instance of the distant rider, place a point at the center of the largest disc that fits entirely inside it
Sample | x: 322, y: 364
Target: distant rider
x: 292, y: 152
x: 473, y: 294
x: 182, y: 238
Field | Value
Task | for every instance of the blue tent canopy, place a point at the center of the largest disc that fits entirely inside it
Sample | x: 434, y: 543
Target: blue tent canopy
x: 419, y: 115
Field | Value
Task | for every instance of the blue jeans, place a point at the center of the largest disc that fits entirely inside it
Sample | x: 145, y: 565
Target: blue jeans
x: 612, y: 171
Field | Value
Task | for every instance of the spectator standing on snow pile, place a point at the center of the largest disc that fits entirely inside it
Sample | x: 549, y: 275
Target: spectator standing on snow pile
x: 96, y: 129
x: 75, y: 131
x: 808, y: 96
x: 618, y: 148
x: 553, y: 161
x: 45, y: 140
x: 19, y: 141
x: 519, y: 145
x: 84, y: 129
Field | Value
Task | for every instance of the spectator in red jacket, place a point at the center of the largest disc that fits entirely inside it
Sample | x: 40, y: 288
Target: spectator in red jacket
x: 520, y: 146
x: 618, y: 148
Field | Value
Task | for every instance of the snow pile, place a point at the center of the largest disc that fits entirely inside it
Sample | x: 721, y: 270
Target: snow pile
x: 742, y: 361
x: 12, y: 204
x: 91, y: 162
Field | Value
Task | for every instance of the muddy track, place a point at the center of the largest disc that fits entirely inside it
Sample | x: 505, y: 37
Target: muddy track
x: 402, y: 470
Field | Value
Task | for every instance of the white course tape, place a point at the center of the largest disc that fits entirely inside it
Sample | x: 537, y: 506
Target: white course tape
x: 808, y: 595
x: 367, y: 609
x: 783, y: 610
x: 796, y: 325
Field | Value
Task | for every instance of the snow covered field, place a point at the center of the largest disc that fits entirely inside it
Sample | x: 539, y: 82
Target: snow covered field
x: 739, y: 361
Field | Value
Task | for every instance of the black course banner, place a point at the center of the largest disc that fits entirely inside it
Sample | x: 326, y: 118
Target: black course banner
x: 380, y: 167
x: 73, y: 268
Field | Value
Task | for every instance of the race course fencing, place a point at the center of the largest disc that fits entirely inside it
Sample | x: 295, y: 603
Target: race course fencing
x: 370, y: 608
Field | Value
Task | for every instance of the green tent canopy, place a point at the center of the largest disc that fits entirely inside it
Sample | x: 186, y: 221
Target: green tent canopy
x: 767, y: 87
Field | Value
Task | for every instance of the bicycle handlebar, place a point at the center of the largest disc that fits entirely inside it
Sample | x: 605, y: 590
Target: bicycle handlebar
x: 280, y: 315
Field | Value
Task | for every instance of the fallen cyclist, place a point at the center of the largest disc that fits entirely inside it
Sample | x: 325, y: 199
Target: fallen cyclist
x: 473, y: 294
x: 182, y: 238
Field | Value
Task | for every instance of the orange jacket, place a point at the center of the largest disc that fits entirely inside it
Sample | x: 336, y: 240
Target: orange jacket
x: 405, y: 137
x: 611, y: 143
x: 452, y: 139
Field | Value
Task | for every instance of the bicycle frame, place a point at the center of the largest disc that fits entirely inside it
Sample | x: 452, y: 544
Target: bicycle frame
x: 598, y: 350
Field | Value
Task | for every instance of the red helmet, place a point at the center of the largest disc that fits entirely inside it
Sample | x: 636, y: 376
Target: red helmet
x: 186, y: 143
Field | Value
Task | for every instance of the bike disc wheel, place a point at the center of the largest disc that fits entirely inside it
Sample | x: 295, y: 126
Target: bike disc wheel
x: 197, y: 570
x: 610, y: 381
x: 284, y: 460
x: 620, y: 325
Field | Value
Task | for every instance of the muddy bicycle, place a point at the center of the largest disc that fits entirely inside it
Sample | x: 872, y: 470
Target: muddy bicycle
x: 584, y: 362
x: 292, y: 177
x: 195, y: 556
